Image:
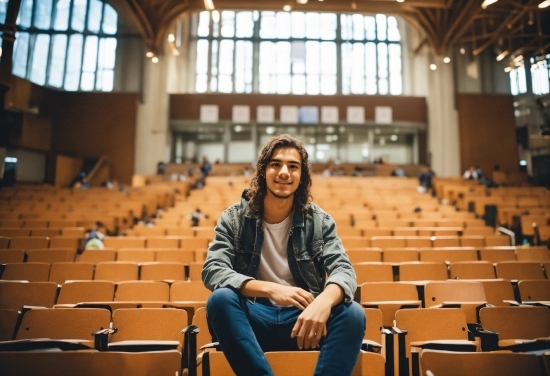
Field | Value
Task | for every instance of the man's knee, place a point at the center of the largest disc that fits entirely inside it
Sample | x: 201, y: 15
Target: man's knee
x: 353, y: 314
x: 220, y: 298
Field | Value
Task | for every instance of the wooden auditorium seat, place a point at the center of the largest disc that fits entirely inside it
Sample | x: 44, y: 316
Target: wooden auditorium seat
x: 15, y: 294
x: 471, y: 270
x: 519, y: 270
x: 50, y: 255
x: 27, y: 271
x: 116, y: 271
x: 60, y: 272
x: 162, y: 271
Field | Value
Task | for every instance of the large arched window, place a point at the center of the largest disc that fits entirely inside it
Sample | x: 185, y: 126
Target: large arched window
x: 65, y: 44
x: 296, y: 53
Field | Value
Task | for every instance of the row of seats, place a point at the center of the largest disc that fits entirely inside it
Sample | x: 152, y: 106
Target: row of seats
x: 425, y: 241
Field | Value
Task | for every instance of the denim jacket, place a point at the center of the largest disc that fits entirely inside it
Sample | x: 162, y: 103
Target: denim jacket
x: 316, y: 256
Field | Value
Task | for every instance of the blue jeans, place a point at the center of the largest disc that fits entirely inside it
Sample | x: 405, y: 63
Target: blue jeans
x: 245, y: 330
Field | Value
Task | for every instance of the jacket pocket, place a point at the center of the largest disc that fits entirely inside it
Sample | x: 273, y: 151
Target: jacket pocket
x: 243, y: 258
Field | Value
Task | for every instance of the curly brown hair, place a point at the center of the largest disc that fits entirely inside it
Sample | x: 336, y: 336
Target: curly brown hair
x: 258, y: 186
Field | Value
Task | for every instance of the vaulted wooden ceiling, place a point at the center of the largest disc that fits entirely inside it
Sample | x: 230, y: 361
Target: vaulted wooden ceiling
x: 518, y: 27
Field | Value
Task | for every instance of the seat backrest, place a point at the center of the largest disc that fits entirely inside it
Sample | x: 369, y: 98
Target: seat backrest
x: 418, y: 241
x: 15, y: 295
x: 446, y: 241
x: 534, y: 290
x: 86, y: 291
x: 175, y: 255
x: 8, y: 322
x: 498, y: 254
x: 356, y: 256
x: 27, y: 271
x: 291, y: 363
x: 163, y: 242
x: 350, y: 242
x: 373, y: 272
x: 142, y: 291
x: 51, y: 255
x: 188, y: 242
x: 29, y: 242
x: 65, y: 242
x: 452, y: 363
x: 161, y: 271
x: 418, y: 271
x: 374, y: 324
x: 497, y: 291
x: 66, y: 271
x: 533, y: 254
x: 387, y: 291
x: 116, y: 271
x: 135, y: 255
x: 69, y: 323
x: 12, y: 232
x: 471, y: 270
x: 45, y: 231
x: 195, y: 270
x: 400, y: 254
x: 11, y: 256
x: 519, y: 270
x: 4, y: 242
x: 189, y: 291
x: 97, y: 255
x: 436, y: 293
x: 118, y: 242
x: 143, y: 324
x: 388, y: 242
x: 521, y: 322
x: 477, y: 241
x: 449, y: 254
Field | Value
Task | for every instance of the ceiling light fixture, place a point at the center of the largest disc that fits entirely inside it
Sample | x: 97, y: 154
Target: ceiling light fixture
x: 301, y: 1
x: 400, y: 1
x: 287, y: 8
x: 544, y: 4
x: 486, y: 3
x: 149, y: 54
x: 462, y: 50
x: 155, y: 59
x: 209, y: 4
x: 171, y: 38
x: 433, y: 66
x: 446, y: 59
x: 353, y: 5
x: 502, y: 55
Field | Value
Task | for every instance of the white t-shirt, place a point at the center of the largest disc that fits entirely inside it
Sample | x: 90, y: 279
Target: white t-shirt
x: 274, y: 261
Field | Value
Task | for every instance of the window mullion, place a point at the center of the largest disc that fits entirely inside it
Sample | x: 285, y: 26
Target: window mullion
x: 338, y: 41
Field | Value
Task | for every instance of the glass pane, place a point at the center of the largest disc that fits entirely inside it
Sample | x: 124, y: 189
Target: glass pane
x: 357, y: 69
x: 298, y: 24
x: 328, y: 85
x: 396, y: 87
x: 25, y: 13
x: 57, y: 65
x: 395, y: 58
x: 313, y: 85
x: 225, y: 84
x: 108, y: 80
x: 228, y: 24
x: 370, y: 27
x: 226, y: 57
x: 267, y: 63
x: 3, y: 9
x: 393, y: 31
x: 371, y: 86
x: 283, y: 25
x: 328, y: 62
x: 312, y: 57
x: 346, y: 70
x: 265, y: 84
x: 383, y: 86
x: 283, y: 59
x: 381, y: 26
x: 268, y: 26
x: 204, y: 24
x: 94, y: 15
x: 283, y: 84
x: 370, y: 59
x: 74, y: 60
x: 382, y: 60
x: 20, y: 54
x: 346, y: 26
x: 358, y: 32
x: 214, y: 62
x: 513, y: 82
x: 522, y: 81
x: 90, y: 54
x: 110, y: 20
x: 99, y: 79
x: 40, y: 59
x: 328, y: 31
x: 79, y: 14
x: 245, y: 25
x: 107, y: 53
x: 43, y: 14
x: 87, y: 81
x: 299, y: 84
x: 61, y: 21
x: 201, y: 83
x: 312, y: 25
x: 202, y: 56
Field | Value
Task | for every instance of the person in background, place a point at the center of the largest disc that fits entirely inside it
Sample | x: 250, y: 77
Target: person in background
x: 206, y: 167
x: 398, y: 171
x: 470, y: 174
x: 425, y: 179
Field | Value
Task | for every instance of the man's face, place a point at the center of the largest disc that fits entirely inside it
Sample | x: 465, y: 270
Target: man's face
x: 283, y: 172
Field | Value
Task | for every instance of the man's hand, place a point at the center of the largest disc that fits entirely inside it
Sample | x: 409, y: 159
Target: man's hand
x: 311, y: 324
x: 280, y: 294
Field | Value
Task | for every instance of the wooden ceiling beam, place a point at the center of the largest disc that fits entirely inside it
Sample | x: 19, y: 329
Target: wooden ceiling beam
x: 464, y: 18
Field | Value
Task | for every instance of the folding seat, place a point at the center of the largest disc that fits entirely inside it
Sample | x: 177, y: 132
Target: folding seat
x: 97, y: 255
x: 497, y: 240
x: 499, y: 292
x: 420, y: 271
x: 519, y: 270
x: 4, y: 242
x: 13, y: 223
x: 192, y: 243
x: 389, y: 297
x: 142, y: 291
x: 73, y: 232
x: 418, y: 241
x: 373, y: 363
x: 163, y: 242
x: 441, y: 329
x: 406, y: 231
x: 180, y: 231
x: 62, y: 223
x: 392, y: 223
x: 373, y: 272
x: 141, y: 326
x: 540, y: 254
x: 13, y: 232
x: 446, y: 241
x: 369, y: 232
x: 291, y: 363
x: 11, y: 256
x: 195, y: 270
x: 350, y: 231
x: 516, y: 328
x: 468, y: 296
x: 543, y: 232
x: 204, y: 232
x: 15, y: 295
x: 396, y: 255
x: 200, y: 254
x: 448, y: 254
x: 29, y: 242
x: 528, y: 223
x: 118, y: 242
x: 450, y: 223
x: 60, y: 272
x: 116, y: 271
x: 36, y: 223
x: 452, y: 363
x: 478, y: 231
x: 189, y: 296
x: 51, y: 255
x: 8, y: 323
x: 355, y: 242
x: 135, y: 255
x: 536, y: 291
x: 388, y: 242
x: 48, y: 232
x: 175, y: 255
x: 74, y: 292
x: 147, y: 231
x: 476, y: 241
x: 471, y: 270
x: 424, y: 223
x: 497, y: 254
x: 27, y: 271
x: 356, y: 256
x: 162, y: 271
